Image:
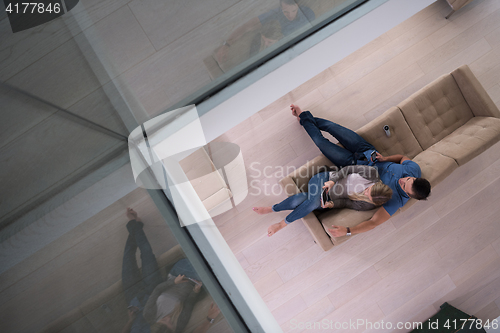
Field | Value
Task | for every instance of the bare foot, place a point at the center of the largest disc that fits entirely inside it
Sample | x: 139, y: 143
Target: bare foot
x: 263, y: 210
x: 132, y: 214
x: 275, y: 228
x: 296, y: 110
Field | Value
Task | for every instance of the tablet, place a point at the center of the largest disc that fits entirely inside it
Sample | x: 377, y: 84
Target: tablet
x: 324, y: 197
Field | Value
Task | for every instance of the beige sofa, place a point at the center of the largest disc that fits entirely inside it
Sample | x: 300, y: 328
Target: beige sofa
x: 107, y: 311
x: 440, y: 127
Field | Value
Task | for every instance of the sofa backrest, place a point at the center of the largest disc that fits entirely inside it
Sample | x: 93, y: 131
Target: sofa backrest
x: 401, y: 140
x: 436, y: 110
x: 474, y: 93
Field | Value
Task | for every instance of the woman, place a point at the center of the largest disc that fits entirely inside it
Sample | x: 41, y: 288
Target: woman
x: 356, y: 187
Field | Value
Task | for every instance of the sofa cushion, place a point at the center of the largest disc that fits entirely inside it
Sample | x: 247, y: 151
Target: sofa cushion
x: 470, y: 140
x: 436, y: 110
x: 435, y: 166
x: 401, y: 140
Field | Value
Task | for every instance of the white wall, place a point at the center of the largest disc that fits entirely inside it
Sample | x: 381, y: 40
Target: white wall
x: 310, y: 62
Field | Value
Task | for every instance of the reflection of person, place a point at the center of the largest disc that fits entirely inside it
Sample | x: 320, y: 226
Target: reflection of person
x: 398, y: 171
x: 269, y: 35
x: 289, y: 15
x: 154, y: 305
x: 356, y: 187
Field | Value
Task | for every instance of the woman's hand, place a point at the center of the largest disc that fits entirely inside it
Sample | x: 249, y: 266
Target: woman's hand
x: 179, y: 279
x: 328, y: 185
x: 329, y: 204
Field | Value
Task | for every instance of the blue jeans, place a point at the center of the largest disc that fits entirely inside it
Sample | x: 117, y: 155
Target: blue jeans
x: 304, y: 203
x: 184, y: 267
x: 139, y: 285
x: 354, y: 144
x: 136, y: 283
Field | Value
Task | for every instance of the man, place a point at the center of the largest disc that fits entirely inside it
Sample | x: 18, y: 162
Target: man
x: 289, y: 15
x: 400, y: 173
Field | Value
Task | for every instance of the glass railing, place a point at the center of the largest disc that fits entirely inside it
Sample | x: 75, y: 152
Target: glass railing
x: 73, y: 257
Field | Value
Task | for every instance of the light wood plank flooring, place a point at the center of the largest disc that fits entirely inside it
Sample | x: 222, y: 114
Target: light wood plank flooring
x: 446, y: 249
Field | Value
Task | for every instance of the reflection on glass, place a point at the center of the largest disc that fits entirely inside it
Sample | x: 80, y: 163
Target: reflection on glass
x: 117, y: 270
x: 66, y: 185
x: 261, y: 32
x: 156, y: 304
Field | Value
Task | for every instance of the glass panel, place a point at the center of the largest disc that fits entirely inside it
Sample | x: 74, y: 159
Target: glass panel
x: 72, y: 258
x: 86, y: 278
x: 160, y: 54
x: 71, y: 90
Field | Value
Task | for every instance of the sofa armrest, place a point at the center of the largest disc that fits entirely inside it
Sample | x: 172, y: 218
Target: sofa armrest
x: 169, y: 258
x: 317, y: 231
x: 212, y: 67
x: 475, y: 95
x: 296, y: 182
x: 289, y: 186
x: 310, y: 220
x: 302, y: 175
x: 457, y: 4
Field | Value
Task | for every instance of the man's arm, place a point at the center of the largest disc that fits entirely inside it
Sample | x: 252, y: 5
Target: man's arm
x: 393, y: 158
x: 380, y: 216
x: 213, y: 312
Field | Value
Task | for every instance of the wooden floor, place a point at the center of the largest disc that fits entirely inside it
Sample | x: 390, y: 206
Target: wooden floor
x: 446, y: 249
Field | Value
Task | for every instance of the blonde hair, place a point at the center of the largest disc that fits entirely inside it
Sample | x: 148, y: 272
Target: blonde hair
x: 379, y: 192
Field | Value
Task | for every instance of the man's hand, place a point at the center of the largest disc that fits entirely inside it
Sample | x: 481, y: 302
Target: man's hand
x: 380, y: 216
x: 179, y: 279
x: 337, y: 231
x: 380, y: 158
x: 213, y: 311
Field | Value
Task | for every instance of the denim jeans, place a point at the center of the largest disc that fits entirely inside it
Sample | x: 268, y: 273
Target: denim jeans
x: 139, y: 285
x: 354, y: 144
x: 136, y: 283
x: 304, y: 203
x: 184, y: 267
